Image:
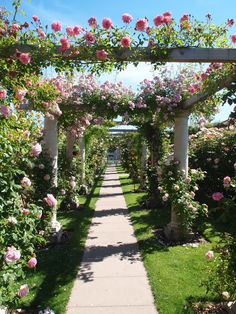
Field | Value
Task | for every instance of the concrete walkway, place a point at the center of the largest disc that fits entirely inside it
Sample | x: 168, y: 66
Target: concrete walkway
x: 112, y: 278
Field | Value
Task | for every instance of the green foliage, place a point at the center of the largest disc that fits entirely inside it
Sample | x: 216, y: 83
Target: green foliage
x: 96, y: 148
x: 180, y: 191
x: 17, y: 228
x: 213, y: 150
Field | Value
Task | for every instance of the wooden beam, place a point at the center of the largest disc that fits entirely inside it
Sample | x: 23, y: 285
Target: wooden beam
x: 140, y: 54
x: 189, y: 103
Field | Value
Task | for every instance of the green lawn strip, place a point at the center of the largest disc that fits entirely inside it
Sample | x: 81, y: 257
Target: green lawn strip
x: 175, y: 273
x: 52, y: 281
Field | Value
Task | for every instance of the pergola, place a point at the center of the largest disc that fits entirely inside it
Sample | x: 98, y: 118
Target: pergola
x: 194, y: 55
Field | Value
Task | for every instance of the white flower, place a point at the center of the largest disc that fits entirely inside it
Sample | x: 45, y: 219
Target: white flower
x: 12, y: 220
x: 225, y: 295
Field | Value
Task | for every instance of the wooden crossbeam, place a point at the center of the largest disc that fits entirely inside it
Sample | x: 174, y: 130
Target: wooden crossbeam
x: 189, y: 103
x: 141, y: 54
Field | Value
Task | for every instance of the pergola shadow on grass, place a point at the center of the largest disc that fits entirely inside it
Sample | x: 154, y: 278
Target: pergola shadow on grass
x: 171, y: 270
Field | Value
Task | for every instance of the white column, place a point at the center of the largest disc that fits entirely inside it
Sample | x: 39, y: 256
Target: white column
x: 172, y: 230
x: 51, y: 146
x: 70, y: 146
x: 82, y: 157
x: 181, y: 141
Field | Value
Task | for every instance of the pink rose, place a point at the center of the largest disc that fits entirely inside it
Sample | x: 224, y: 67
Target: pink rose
x: 102, y: 54
x: 210, y: 254
x: 217, y: 196
x: 127, y: 18
x: 142, y: 24
x: 168, y: 13
x: 26, y: 134
x: 184, y: 18
x: 125, y: 41
x: 20, y: 94
x: 168, y: 19
x: 32, y: 262
x: 230, y: 22
x: 5, y: 111
x: 158, y: 20
x: 35, y: 18
x: 93, y: 22
x: 25, y: 182
x: 15, y: 28
x: 107, y: 23
x: 70, y: 31
x: 90, y: 38
x: 50, y: 200
x: 64, y: 44
x: 25, y: 211
x: 233, y: 37
x: 235, y: 165
x: 25, y: 58
x: 23, y: 291
x: 42, y: 34
x: 77, y: 29
x: 12, y: 255
x: 36, y: 150
x: 3, y: 93
x: 56, y: 26
x: 63, y: 192
x: 227, y: 181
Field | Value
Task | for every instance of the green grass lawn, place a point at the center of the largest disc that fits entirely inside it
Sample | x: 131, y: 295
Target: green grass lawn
x: 52, y: 281
x: 175, y: 273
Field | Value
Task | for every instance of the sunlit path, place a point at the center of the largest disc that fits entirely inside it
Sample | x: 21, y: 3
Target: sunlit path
x: 112, y: 278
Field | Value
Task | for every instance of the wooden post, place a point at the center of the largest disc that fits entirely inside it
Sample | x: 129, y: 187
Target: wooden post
x: 173, y: 230
x: 51, y: 146
x: 82, y: 157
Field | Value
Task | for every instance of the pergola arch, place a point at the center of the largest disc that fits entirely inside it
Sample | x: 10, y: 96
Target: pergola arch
x: 44, y: 53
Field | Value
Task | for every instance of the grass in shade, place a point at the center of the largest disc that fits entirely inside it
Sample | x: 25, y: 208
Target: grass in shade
x: 52, y: 281
x: 175, y: 273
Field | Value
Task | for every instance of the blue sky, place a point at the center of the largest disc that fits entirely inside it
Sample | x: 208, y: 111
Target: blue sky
x: 71, y: 12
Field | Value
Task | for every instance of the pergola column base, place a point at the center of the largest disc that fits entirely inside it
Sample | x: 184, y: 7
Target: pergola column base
x: 173, y: 232
x: 56, y: 231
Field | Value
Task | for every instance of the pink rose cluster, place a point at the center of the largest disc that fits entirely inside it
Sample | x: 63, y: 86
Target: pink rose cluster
x: 73, y: 30
x: 165, y: 18
x: 64, y: 44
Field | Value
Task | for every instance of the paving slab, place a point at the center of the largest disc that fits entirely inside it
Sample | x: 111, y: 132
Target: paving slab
x: 112, y: 278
